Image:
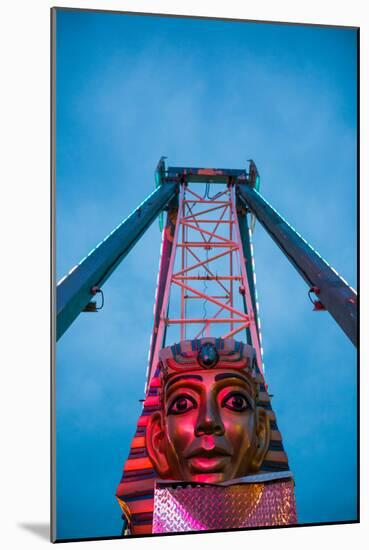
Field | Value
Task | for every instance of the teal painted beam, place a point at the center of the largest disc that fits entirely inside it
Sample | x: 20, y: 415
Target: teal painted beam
x: 73, y: 292
x: 336, y: 295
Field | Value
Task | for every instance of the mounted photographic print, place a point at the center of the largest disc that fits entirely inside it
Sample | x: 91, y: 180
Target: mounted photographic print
x: 204, y: 184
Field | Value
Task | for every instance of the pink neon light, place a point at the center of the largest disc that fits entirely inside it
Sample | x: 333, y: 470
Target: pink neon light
x: 160, y: 334
x: 231, y: 271
x: 253, y: 327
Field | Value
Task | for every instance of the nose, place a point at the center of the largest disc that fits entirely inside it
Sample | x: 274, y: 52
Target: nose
x: 209, y: 421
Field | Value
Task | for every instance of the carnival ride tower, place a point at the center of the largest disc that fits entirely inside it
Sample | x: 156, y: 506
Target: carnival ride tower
x: 206, y: 288
x: 210, y: 238
x: 206, y: 281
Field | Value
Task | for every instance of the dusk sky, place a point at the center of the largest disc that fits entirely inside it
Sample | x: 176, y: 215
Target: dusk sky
x: 203, y: 93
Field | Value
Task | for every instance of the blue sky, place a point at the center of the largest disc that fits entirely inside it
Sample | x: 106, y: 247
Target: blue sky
x: 203, y: 93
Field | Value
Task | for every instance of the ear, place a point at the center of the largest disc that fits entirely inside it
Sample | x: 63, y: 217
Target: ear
x: 155, y: 444
x: 262, y: 438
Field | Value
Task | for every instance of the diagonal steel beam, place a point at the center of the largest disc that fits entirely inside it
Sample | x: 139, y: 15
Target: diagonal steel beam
x: 335, y: 293
x: 211, y: 299
x: 190, y: 218
x: 74, y: 290
x: 207, y: 261
x: 207, y: 269
x: 205, y: 232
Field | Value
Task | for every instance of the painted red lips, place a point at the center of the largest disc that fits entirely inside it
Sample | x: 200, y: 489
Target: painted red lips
x: 215, y: 452
x: 208, y: 462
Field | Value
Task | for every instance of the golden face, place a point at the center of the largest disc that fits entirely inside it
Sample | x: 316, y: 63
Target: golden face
x: 210, y: 429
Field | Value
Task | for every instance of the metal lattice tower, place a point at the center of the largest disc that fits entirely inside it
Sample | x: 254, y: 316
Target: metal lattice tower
x: 207, y: 240
x: 207, y: 249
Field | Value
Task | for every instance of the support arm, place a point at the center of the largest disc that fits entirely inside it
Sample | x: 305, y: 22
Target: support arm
x: 334, y: 293
x: 246, y: 246
x: 167, y: 245
x: 74, y: 290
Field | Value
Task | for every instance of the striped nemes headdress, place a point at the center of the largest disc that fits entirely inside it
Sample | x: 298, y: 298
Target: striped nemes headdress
x: 207, y: 353
x: 135, y: 492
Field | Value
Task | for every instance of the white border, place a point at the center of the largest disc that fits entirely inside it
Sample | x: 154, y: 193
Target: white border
x: 24, y: 297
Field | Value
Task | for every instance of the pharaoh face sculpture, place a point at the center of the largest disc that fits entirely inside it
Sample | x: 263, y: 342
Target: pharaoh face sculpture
x: 209, y: 428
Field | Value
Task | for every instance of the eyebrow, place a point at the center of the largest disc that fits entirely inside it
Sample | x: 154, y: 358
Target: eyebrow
x: 183, y: 377
x: 223, y: 375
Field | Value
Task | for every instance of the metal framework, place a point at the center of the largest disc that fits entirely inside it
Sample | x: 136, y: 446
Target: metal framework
x: 207, y: 240
x: 207, y: 236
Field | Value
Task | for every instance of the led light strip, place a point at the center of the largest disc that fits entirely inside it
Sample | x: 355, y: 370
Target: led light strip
x: 109, y: 235
x: 155, y: 304
x: 257, y: 312
x: 305, y: 241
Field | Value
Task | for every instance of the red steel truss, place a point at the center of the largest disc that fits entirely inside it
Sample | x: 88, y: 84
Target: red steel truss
x: 206, y: 238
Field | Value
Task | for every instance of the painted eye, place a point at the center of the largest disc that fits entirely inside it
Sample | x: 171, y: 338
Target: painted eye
x: 236, y: 402
x: 182, y: 404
